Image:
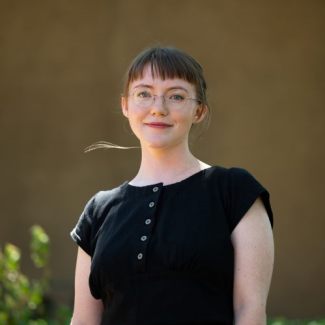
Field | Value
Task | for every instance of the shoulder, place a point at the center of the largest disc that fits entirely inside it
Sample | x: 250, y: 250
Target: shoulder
x: 242, y: 179
x: 105, y: 199
x: 99, y: 205
x: 93, y: 216
x: 232, y: 171
x: 240, y: 183
x: 239, y: 189
x: 229, y: 176
x: 229, y: 182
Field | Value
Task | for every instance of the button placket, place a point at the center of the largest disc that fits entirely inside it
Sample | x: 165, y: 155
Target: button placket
x: 147, y: 228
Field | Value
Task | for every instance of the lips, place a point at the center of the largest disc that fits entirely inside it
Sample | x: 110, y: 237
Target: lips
x: 158, y: 125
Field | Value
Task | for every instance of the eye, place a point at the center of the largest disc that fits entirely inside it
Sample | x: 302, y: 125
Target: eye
x: 176, y: 97
x: 143, y: 94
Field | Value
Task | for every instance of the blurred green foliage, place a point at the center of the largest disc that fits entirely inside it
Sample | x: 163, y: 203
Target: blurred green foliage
x: 284, y: 321
x: 25, y: 301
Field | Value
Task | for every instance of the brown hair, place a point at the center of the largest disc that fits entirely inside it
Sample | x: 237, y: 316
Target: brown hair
x: 168, y: 63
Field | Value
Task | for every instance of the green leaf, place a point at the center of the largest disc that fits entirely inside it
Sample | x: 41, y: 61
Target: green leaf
x: 12, y: 257
x: 3, y: 318
x: 40, y: 247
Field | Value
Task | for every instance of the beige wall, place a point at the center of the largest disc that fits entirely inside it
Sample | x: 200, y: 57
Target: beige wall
x: 61, y: 66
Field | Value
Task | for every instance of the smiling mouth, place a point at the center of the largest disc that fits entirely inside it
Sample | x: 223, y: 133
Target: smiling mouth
x: 158, y: 125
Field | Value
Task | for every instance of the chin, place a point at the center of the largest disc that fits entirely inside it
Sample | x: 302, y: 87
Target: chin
x: 162, y: 144
x: 157, y: 145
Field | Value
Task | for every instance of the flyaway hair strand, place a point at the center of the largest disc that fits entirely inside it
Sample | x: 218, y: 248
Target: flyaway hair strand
x: 106, y: 145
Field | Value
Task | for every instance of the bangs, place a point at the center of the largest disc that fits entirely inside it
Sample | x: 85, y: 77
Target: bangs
x: 165, y: 63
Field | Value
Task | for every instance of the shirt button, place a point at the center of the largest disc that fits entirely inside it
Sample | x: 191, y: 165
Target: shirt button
x: 143, y: 238
x: 140, y: 256
x: 148, y: 222
x: 151, y: 204
x: 155, y: 189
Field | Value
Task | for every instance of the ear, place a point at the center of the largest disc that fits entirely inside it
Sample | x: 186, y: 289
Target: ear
x: 200, y: 113
x: 124, y: 106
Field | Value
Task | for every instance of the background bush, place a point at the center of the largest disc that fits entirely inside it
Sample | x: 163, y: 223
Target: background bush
x: 284, y: 321
x: 26, y: 301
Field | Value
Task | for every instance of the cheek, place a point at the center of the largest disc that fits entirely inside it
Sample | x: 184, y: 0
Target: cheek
x: 134, y: 128
x: 136, y: 114
x: 186, y: 119
x: 135, y: 117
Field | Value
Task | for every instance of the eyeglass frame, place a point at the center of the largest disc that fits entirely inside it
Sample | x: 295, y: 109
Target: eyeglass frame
x: 164, y: 100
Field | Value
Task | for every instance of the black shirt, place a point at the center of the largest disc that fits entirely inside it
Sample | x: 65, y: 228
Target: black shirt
x: 163, y: 254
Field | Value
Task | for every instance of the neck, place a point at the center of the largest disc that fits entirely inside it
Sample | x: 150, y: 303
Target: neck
x: 166, y: 165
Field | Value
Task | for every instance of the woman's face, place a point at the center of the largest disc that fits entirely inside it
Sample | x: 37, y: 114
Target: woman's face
x: 161, y: 125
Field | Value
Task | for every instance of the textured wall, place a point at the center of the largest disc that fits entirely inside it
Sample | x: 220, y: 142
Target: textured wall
x: 61, y: 69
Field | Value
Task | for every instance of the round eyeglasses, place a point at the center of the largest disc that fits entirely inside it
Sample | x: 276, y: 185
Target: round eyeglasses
x: 174, y: 99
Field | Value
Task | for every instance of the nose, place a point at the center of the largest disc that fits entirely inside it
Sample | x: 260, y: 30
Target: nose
x: 158, y: 105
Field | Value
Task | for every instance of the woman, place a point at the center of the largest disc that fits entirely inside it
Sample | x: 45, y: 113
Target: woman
x: 183, y: 242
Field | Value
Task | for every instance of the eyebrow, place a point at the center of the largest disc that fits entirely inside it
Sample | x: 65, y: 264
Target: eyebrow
x: 170, y: 88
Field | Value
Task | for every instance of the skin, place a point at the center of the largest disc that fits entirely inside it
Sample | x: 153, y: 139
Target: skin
x: 166, y: 158
x: 87, y: 310
x: 254, y: 257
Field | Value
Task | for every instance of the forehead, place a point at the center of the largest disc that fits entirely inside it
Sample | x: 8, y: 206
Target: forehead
x: 153, y: 79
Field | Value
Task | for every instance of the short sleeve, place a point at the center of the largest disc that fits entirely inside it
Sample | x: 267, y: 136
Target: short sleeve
x: 81, y: 233
x: 243, y: 190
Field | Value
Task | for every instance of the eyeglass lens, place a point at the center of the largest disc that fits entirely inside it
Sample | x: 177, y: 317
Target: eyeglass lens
x: 174, y: 99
